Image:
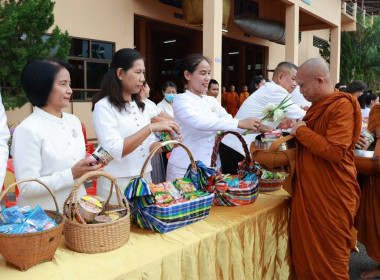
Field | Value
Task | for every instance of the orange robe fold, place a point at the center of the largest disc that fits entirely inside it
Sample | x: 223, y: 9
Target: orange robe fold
x: 367, y: 220
x: 230, y: 101
x: 242, y: 97
x: 326, y: 194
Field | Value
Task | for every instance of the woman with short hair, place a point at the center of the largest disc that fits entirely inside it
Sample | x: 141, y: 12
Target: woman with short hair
x: 49, y: 144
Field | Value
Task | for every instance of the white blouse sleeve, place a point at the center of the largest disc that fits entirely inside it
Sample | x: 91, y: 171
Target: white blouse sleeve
x: 27, y: 162
x: 4, y: 137
x: 106, y: 128
x: 185, y: 112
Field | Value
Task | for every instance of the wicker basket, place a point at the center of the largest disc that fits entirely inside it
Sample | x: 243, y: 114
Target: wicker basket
x: 229, y: 196
x: 29, y: 249
x: 96, y: 238
x: 270, y: 185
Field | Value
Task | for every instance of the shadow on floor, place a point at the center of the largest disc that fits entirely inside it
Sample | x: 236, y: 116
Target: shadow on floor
x: 359, y: 262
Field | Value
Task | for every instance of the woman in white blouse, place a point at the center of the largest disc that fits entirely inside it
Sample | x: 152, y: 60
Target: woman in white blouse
x: 169, y: 90
x: 199, y: 117
x: 121, y: 121
x: 48, y: 144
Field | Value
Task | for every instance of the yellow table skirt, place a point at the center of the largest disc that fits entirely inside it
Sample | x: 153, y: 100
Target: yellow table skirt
x: 246, y: 242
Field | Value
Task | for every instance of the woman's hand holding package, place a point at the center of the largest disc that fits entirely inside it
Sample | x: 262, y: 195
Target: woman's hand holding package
x: 166, y: 125
x: 249, y: 123
x: 83, y: 166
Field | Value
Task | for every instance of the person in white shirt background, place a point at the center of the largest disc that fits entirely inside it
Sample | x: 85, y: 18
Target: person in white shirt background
x: 121, y: 121
x: 284, y: 83
x: 258, y: 82
x: 48, y: 144
x: 4, y: 138
x: 213, y: 88
x: 199, y: 117
x: 158, y: 161
x: 367, y: 100
x: 169, y: 90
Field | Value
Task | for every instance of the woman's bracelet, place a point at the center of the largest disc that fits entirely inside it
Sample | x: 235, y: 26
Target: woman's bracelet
x: 150, y: 128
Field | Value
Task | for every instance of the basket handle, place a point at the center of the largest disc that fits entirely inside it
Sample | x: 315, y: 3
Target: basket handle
x: 72, y: 198
x: 219, y: 139
x: 3, y: 193
x: 276, y: 144
x: 162, y: 144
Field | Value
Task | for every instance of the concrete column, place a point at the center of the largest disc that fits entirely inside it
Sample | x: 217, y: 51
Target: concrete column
x: 129, y: 22
x: 212, y: 37
x: 291, y: 29
x: 335, y: 54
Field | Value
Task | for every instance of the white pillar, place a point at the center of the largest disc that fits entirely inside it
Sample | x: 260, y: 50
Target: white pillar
x: 335, y: 54
x: 292, y: 30
x: 129, y: 22
x: 212, y: 37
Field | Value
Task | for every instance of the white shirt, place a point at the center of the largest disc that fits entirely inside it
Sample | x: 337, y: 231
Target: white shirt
x: 154, y: 110
x: 254, y: 105
x: 365, y: 112
x: 4, y: 138
x: 166, y: 107
x: 112, y: 126
x: 199, y: 119
x: 298, y: 98
x: 46, y: 147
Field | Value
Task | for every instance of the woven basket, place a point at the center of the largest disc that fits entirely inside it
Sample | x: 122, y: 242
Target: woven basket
x: 165, y: 219
x: 96, y: 238
x: 29, y: 249
x: 234, y: 196
x: 270, y: 185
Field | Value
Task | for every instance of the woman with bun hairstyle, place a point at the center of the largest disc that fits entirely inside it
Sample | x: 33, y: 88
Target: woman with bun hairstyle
x: 199, y: 117
x: 121, y: 121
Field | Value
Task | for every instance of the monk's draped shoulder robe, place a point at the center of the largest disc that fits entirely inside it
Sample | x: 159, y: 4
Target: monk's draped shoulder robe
x: 326, y: 193
x: 367, y: 220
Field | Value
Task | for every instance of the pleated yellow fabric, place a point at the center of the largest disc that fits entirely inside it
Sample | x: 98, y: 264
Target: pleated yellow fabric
x: 244, y: 242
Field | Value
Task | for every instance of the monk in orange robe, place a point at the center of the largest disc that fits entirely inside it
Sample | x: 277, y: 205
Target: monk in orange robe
x: 326, y: 194
x: 243, y: 95
x: 230, y: 101
x: 367, y: 220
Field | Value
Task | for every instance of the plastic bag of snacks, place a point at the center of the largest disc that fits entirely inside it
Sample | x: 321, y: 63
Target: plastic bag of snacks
x: 368, y: 135
x: 167, y: 206
x: 234, y: 190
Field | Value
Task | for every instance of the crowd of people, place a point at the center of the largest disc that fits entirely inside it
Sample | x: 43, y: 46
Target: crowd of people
x: 326, y: 122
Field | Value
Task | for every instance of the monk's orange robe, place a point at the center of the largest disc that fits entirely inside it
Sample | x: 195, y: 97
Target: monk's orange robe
x: 326, y: 194
x: 230, y: 101
x: 367, y: 220
x: 242, y: 97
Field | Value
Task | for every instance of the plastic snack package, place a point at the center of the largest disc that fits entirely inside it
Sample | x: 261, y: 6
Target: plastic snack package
x: 163, y: 197
x: 172, y: 190
x: 184, y: 185
x: 12, y: 215
x: 38, y: 219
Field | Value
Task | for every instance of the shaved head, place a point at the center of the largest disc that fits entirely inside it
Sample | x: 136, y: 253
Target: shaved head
x: 317, y: 67
x: 313, y: 78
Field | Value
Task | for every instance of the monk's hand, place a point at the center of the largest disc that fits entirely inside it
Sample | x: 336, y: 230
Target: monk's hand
x: 377, y: 133
x: 361, y: 142
x: 296, y: 126
x: 265, y: 128
x: 285, y: 124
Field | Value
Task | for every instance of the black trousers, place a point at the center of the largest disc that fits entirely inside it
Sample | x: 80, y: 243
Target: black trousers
x: 229, y: 159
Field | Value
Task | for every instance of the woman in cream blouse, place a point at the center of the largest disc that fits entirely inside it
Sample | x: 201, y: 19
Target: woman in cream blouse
x: 49, y: 144
x: 199, y: 117
x: 122, y: 122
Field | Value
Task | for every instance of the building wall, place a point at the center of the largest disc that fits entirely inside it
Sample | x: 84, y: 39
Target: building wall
x: 109, y: 21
